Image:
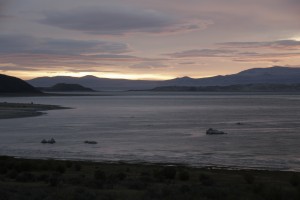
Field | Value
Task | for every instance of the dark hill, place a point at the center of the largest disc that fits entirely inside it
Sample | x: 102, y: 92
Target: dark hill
x: 65, y: 87
x: 272, y: 75
x: 232, y: 88
x: 10, y: 84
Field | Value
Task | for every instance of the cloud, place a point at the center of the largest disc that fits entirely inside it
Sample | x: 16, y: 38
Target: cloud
x: 187, y: 63
x: 16, y: 68
x: 33, y: 45
x: 149, y: 65
x: 27, y: 53
x: 3, y: 7
x: 264, y: 57
x: 19, y: 52
x: 202, y: 53
x: 118, y: 20
x: 280, y: 44
x: 235, y: 55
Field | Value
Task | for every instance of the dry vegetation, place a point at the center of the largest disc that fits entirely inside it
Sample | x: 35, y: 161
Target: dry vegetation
x: 51, y: 179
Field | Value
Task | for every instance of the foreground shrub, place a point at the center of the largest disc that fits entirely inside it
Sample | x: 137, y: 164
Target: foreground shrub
x: 184, y: 175
x: 12, y: 174
x: 25, y: 177
x: 24, y: 166
x: 43, y: 177
x: 69, y: 164
x: 169, y: 172
x: 249, y: 178
x: 77, y: 167
x: 206, y: 180
x: 100, y: 175
x: 60, y: 169
x: 55, y: 179
x: 121, y: 176
x: 295, y: 180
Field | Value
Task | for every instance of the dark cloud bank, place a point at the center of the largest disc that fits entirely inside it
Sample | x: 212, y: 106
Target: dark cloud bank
x: 28, y: 44
x: 117, y: 21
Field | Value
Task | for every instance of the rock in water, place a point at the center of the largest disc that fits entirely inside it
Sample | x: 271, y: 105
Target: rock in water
x: 212, y: 131
x: 90, y: 142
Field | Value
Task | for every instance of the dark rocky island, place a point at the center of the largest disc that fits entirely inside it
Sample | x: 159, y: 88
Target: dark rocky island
x: 67, y: 87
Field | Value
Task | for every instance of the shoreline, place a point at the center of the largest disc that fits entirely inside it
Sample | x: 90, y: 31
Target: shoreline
x: 174, y: 164
x: 21, y: 110
x: 146, y: 163
x: 53, y: 179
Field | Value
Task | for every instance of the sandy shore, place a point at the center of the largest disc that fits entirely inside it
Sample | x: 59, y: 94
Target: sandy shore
x: 17, y: 110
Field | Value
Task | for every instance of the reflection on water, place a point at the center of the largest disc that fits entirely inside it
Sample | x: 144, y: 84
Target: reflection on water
x: 163, y: 128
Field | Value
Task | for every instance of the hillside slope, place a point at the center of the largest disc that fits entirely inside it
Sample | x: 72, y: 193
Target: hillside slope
x: 10, y: 84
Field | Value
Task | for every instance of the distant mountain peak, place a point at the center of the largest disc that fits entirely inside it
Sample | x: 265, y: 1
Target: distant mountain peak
x: 184, y: 78
x: 89, y: 76
x: 275, y: 70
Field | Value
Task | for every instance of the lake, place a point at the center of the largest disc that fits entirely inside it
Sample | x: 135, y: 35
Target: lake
x: 162, y: 128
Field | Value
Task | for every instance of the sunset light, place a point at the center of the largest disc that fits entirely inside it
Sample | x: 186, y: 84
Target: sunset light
x: 149, y: 99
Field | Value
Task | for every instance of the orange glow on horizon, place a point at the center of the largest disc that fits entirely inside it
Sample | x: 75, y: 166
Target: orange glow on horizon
x: 35, y: 74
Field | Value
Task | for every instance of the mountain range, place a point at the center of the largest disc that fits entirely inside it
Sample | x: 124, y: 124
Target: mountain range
x: 272, y: 75
x: 259, y: 87
x: 95, y: 83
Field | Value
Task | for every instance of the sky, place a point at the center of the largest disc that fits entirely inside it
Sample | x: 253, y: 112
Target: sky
x: 146, y: 39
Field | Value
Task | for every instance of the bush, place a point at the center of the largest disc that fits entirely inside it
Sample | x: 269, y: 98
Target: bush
x: 69, y: 164
x: 12, y: 174
x: 137, y: 185
x: 24, y: 166
x: 60, y: 169
x: 76, y: 180
x: 25, y: 177
x: 146, y: 177
x: 184, y: 175
x: 77, y: 167
x: 100, y: 175
x: 55, y: 179
x: 82, y: 194
x: 249, y: 178
x: 43, y: 177
x: 294, y: 180
x: 258, y: 188
x: 121, y: 176
x: 169, y: 172
x: 47, y: 165
x: 3, y: 168
x: 185, y: 189
x: 206, y: 180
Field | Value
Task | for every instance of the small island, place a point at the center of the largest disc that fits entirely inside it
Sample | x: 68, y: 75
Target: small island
x: 66, y: 87
x: 18, y: 110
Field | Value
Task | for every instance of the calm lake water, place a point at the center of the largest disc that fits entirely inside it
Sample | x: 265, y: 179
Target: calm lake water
x: 169, y: 128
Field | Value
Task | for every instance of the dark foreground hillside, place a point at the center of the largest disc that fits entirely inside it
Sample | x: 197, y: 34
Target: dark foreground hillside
x: 10, y: 84
x: 68, y: 180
